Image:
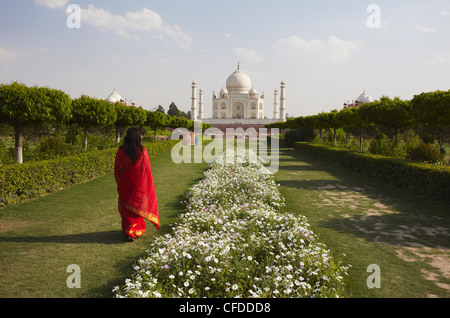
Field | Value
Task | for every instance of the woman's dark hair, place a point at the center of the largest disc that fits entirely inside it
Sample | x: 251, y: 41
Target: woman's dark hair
x: 132, y: 144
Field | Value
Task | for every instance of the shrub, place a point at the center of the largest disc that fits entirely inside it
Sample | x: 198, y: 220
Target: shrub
x: 3, y: 152
x: 426, y: 153
x: 299, y: 134
x: 380, y: 145
x: 52, y: 147
x: 100, y: 142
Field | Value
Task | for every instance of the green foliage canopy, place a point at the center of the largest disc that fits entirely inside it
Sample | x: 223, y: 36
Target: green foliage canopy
x: 20, y: 104
x: 129, y: 115
x: 432, y: 108
x: 90, y: 112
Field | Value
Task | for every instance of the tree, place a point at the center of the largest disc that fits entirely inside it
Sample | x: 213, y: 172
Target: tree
x: 173, y: 110
x: 90, y: 113
x: 352, y: 121
x: 128, y: 116
x: 160, y: 109
x: 389, y: 115
x: 330, y: 121
x: 181, y: 122
x: 290, y: 123
x: 321, y: 122
x: 157, y: 120
x: 186, y: 115
x: 431, y: 112
x: 22, y: 106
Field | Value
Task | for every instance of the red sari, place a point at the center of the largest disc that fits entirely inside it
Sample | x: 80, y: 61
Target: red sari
x: 137, y: 194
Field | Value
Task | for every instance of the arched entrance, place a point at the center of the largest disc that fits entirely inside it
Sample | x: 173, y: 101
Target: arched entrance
x: 238, y: 110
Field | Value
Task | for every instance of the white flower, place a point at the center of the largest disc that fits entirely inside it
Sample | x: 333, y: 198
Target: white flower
x: 157, y: 295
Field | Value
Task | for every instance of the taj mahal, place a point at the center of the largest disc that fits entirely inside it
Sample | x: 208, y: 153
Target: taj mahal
x: 238, y: 104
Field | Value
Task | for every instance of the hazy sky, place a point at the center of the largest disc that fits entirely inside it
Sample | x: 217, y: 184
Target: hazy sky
x: 327, y: 52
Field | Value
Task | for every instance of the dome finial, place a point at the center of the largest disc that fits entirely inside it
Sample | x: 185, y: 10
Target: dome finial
x: 238, y: 65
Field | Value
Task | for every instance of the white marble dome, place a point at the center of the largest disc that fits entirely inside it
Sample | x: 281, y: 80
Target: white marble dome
x: 114, y: 97
x: 365, y: 98
x: 238, y: 83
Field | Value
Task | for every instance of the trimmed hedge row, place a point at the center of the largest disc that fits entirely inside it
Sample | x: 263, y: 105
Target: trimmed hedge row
x: 425, y: 179
x: 29, y: 180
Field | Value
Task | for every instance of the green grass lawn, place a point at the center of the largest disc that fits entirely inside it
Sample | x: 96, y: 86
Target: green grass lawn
x: 361, y: 220
x: 365, y: 221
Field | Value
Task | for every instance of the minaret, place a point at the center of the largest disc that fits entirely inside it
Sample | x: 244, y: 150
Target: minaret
x: 200, y: 105
x: 282, y: 102
x: 194, y: 101
x: 275, y: 104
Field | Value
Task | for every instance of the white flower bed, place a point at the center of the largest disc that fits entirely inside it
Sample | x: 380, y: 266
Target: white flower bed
x: 234, y: 242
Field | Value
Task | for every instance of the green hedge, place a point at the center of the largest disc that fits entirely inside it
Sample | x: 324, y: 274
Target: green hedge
x: 425, y: 179
x: 28, y: 180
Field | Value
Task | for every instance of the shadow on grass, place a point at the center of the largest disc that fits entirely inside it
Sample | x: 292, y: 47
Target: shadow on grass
x: 107, y: 238
x: 306, y: 167
x: 311, y: 184
x: 403, y: 230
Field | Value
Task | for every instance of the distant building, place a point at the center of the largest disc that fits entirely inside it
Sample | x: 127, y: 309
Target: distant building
x: 238, y: 104
x: 114, y: 97
x: 362, y: 99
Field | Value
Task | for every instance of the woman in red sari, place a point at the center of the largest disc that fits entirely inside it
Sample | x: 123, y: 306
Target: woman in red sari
x: 135, y: 186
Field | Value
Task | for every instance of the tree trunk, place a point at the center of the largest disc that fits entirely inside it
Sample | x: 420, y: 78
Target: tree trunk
x: 440, y: 142
x: 117, y: 134
x: 85, y: 139
x: 19, y: 143
x: 334, y: 136
x: 360, y: 139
